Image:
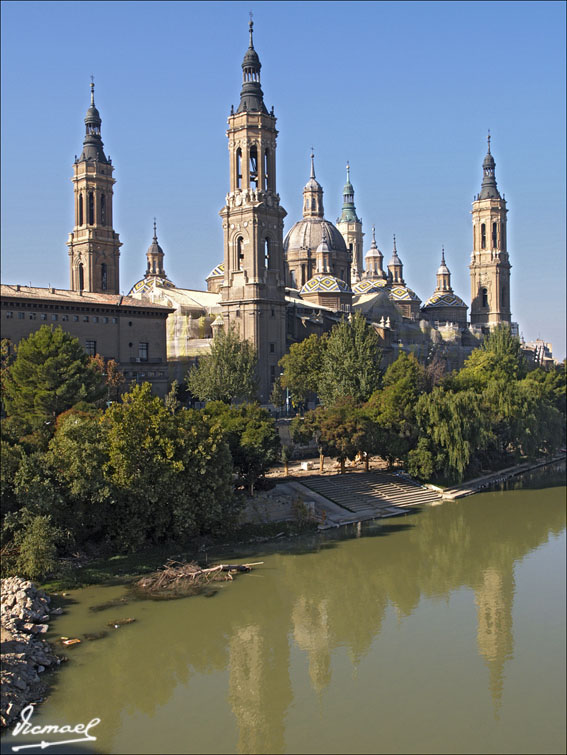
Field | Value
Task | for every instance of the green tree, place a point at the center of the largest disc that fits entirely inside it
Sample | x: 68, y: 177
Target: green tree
x: 252, y: 436
x: 301, y: 367
x: 228, y: 373
x: 499, y: 357
x: 351, y: 362
x: 51, y: 373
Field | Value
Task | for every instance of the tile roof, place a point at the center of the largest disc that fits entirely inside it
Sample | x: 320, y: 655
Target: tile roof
x: 74, y: 297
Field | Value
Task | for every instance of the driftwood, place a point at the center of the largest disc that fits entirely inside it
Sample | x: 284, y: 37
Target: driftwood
x: 176, y: 575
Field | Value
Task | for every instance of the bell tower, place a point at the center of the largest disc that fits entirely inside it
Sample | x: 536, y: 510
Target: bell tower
x: 93, y: 245
x: 490, y: 265
x: 253, y: 291
x: 350, y: 225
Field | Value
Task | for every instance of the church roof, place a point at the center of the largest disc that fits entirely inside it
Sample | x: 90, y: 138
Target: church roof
x: 444, y: 299
x: 324, y: 283
x: 216, y: 272
x: 403, y: 293
x: 148, y: 284
x: 367, y: 285
x: 68, y: 296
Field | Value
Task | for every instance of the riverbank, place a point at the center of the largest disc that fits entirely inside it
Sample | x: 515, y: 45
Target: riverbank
x: 25, y: 612
x: 486, y: 481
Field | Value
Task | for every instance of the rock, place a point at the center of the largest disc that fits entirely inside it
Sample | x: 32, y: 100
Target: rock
x: 57, y: 612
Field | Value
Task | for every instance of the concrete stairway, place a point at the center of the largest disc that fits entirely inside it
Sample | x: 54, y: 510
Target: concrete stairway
x: 361, y: 491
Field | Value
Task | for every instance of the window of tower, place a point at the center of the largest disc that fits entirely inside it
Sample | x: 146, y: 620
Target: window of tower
x: 103, y: 277
x: 504, y: 296
x: 483, y: 236
x: 494, y: 235
x: 303, y: 281
x: 239, y: 253
x: 239, y: 168
x: 254, y: 166
x: 267, y: 253
x: 81, y: 217
x: 103, y: 209
x: 91, y: 208
x: 266, y: 170
x: 484, y: 294
x: 81, y: 277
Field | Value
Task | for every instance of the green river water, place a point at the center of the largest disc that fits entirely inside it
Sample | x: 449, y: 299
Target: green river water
x: 442, y: 631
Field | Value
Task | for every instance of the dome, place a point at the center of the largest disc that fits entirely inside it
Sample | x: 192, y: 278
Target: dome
x: 369, y: 285
x: 251, y: 59
x: 146, y: 285
x: 444, y: 300
x: 92, y: 115
x: 323, y: 283
x: 309, y: 232
x: 216, y: 272
x: 403, y: 293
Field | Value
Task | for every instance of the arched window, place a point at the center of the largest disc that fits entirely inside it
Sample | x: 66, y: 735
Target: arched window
x: 239, y: 253
x: 103, y: 277
x: 81, y: 277
x: 484, y: 294
x: 254, y: 166
x: 504, y: 296
x: 266, y: 169
x: 102, y: 209
x: 91, y: 208
x: 267, y: 253
x: 483, y: 236
x: 303, y: 281
x: 81, y: 217
x: 494, y: 236
x: 239, y: 168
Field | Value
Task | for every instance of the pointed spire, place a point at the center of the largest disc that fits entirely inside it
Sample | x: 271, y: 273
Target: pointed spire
x: 92, y: 143
x: 251, y: 96
x: 155, y: 231
x: 312, y: 194
x: 348, y: 214
x: 395, y: 267
x: 489, y: 189
x: 374, y: 259
x: 154, y: 256
x: 312, y: 163
x: 443, y: 276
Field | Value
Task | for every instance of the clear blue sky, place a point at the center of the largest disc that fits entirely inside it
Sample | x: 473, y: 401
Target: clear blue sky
x: 405, y: 91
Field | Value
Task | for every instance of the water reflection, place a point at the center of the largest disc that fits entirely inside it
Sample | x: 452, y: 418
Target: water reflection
x: 311, y: 600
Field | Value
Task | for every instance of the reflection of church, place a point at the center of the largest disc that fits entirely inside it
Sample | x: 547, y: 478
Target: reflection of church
x: 278, y: 291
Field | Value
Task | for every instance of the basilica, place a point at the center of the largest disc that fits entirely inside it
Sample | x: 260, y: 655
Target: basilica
x: 278, y: 290
x: 274, y: 290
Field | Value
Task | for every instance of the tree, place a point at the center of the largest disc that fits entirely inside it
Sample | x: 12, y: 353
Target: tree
x: 277, y: 396
x: 113, y: 377
x: 392, y: 410
x: 499, y: 357
x: 301, y: 367
x: 251, y: 434
x: 350, y: 365
x: 228, y: 373
x: 51, y: 373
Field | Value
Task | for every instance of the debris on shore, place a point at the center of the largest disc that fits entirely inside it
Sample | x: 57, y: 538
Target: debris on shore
x: 179, y: 577
x: 25, y: 654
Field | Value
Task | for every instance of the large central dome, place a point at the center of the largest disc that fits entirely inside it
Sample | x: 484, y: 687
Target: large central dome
x: 308, y: 233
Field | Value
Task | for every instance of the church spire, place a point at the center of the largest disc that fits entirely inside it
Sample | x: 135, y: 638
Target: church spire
x: 154, y: 256
x: 313, y: 194
x: 251, y: 96
x: 348, y: 214
x: 488, y: 190
x: 395, y: 267
x: 92, y: 143
x: 443, y: 275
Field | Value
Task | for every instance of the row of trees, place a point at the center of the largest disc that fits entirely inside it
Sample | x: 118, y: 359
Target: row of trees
x: 79, y: 469
x: 490, y: 413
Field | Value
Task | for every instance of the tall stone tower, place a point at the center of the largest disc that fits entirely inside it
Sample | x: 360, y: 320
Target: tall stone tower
x: 351, y: 228
x: 490, y: 266
x: 93, y: 245
x: 253, y: 292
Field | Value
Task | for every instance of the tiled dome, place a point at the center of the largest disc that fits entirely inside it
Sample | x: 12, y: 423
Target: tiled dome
x: 444, y: 300
x: 403, y: 293
x: 309, y: 232
x: 368, y: 285
x: 216, y: 272
x: 146, y: 285
x: 323, y: 283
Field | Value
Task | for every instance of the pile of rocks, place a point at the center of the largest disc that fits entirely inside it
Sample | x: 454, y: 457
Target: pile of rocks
x: 24, y: 612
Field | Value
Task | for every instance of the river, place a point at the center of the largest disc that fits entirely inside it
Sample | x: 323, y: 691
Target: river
x: 442, y: 631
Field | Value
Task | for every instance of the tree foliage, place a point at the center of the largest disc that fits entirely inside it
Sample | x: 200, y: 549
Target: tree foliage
x: 350, y: 364
x: 228, y: 373
x: 51, y: 373
x: 301, y: 368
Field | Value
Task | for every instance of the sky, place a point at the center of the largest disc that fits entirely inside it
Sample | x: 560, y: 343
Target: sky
x: 404, y: 91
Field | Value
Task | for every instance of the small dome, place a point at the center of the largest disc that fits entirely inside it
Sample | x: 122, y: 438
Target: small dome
x: 369, y: 285
x: 444, y: 300
x: 154, y: 247
x: 403, y: 293
x: 216, y: 272
x: 146, y: 285
x: 251, y: 59
x: 323, y: 283
x: 92, y: 115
